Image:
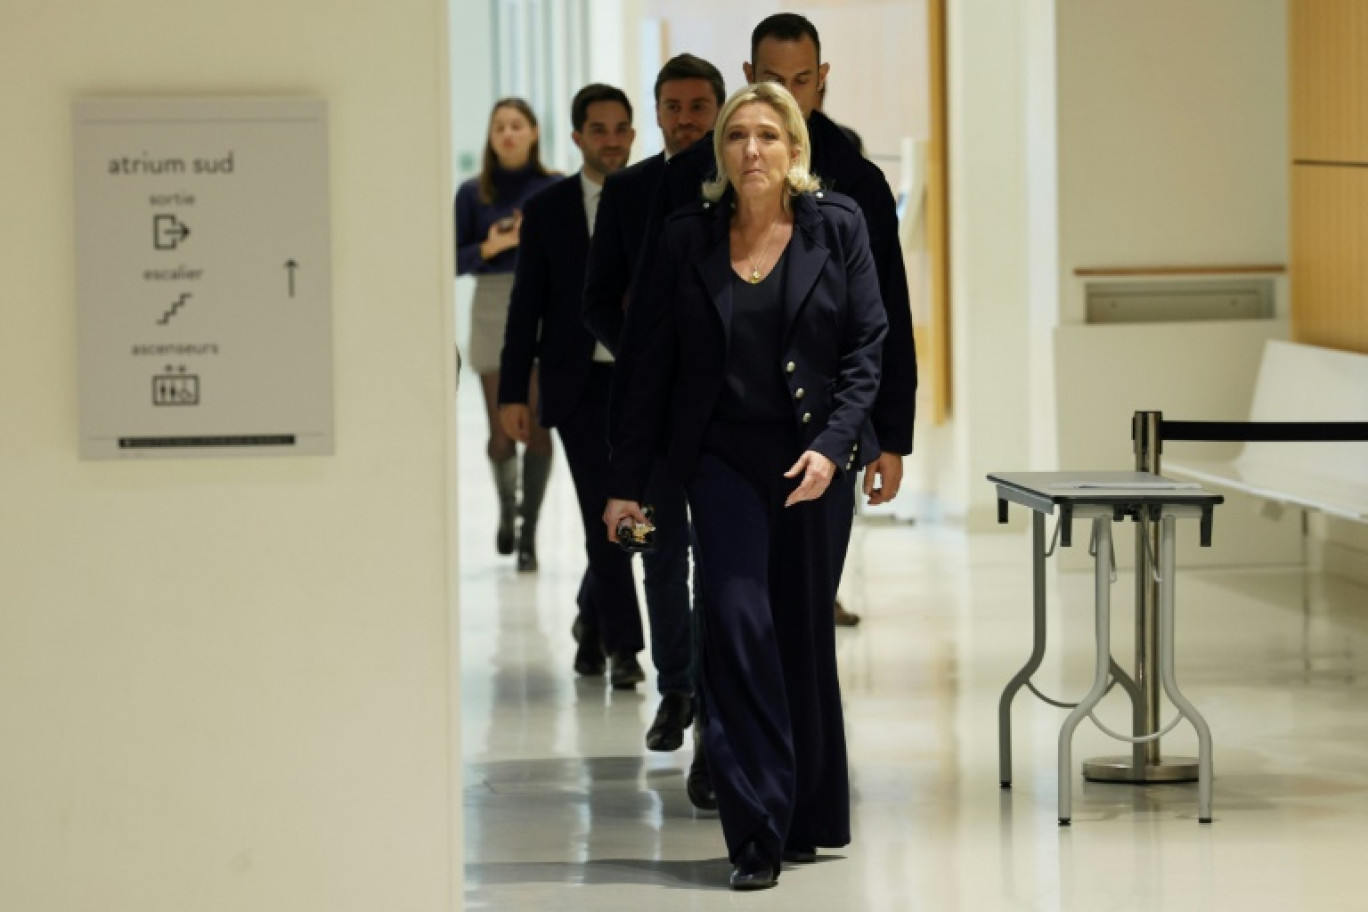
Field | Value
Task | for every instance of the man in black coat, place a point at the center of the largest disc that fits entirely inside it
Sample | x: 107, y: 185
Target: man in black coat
x: 785, y: 48
x: 575, y: 372
x: 689, y: 92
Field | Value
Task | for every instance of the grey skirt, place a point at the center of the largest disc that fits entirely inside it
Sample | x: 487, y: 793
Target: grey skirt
x: 488, y: 314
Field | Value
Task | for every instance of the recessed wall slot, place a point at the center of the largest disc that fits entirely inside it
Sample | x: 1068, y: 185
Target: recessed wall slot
x: 1175, y: 301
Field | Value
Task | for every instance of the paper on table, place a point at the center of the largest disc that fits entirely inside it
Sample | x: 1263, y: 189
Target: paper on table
x: 1160, y: 485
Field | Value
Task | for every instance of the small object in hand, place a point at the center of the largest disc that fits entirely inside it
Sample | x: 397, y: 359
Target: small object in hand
x: 507, y: 222
x: 638, y: 537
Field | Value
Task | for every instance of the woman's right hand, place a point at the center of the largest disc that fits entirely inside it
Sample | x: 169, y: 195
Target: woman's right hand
x: 619, y: 510
x: 516, y: 420
x: 504, y: 234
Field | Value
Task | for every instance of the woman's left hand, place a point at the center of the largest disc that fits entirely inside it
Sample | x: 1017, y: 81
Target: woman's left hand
x: 817, y: 472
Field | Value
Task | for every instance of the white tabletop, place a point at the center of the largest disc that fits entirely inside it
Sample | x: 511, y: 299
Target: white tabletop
x: 1094, y: 487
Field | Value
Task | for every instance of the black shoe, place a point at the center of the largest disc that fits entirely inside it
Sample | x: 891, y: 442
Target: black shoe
x: 844, y: 618
x: 798, y: 853
x: 624, y: 671
x: 752, y: 870
x: 506, y: 483
x: 589, y: 659
x: 527, y: 555
x: 672, y: 717
x: 698, y: 784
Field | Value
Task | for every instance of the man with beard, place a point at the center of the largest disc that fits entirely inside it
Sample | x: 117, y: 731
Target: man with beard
x: 544, y: 324
x: 689, y: 92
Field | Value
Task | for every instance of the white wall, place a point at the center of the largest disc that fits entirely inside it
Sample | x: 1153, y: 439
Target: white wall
x: 1042, y: 223
x: 227, y: 684
x: 1173, y: 141
x: 1092, y: 134
x: 1173, y: 150
x: 992, y: 409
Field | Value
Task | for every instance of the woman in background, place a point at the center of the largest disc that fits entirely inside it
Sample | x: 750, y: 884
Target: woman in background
x: 488, y: 220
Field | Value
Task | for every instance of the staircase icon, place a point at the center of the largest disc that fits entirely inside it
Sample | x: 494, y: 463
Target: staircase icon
x: 177, y: 305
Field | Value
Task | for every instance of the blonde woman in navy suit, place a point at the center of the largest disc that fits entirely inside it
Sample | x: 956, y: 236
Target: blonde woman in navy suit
x: 756, y: 363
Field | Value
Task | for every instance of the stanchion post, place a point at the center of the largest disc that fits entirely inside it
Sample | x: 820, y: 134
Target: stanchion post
x: 1145, y: 763
x: 1147, y: 432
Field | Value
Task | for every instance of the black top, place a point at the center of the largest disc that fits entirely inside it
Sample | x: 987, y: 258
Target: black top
x: 754, y: 389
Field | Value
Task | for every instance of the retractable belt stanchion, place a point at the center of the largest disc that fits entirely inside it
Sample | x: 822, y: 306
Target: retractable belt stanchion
x: 1145, y: 762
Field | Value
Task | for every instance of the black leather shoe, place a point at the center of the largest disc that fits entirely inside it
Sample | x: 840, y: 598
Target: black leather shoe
x: 752, y: 870
x: 527, y: 556
x: 624, y: 671
x: 589, y: 660
x: 672, y: 717
x: 797, y: 853
x: 698, y: 784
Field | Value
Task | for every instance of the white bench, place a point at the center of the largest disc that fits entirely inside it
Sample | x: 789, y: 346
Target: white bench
x: 1300, y: 383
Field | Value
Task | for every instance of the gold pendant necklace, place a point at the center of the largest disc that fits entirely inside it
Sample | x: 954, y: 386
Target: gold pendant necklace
x: 755, y: 276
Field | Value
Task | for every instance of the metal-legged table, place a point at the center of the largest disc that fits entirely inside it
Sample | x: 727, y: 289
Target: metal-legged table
x: 1106, y: 497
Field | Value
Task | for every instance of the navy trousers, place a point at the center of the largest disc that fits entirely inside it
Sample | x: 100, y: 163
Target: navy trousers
x: 607, y: 595
x: 666, y: 581
x: 773, y: 728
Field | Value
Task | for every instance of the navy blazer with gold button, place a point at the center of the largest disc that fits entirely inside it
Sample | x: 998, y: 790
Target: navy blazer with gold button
x: 841, y: 168
x: 834, y: 325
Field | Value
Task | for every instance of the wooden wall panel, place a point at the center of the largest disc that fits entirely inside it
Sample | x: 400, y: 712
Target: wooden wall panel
x: 1329, y: 80
x: 933, y: 355
x: 1330, y: 256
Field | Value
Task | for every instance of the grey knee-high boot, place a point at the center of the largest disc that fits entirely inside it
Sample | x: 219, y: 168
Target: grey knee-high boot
x: 506, y: 483
x: 536, y: 468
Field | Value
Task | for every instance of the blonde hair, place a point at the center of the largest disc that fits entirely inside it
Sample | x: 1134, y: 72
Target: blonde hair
x: 800, y: 177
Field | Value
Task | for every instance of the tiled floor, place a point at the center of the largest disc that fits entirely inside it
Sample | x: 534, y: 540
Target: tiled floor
x: 566, y: 810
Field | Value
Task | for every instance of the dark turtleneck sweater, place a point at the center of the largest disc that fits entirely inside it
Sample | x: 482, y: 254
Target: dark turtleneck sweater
x: 474, y: 218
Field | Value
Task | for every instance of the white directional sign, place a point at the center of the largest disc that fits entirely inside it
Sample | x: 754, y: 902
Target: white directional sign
x: 204, y: 300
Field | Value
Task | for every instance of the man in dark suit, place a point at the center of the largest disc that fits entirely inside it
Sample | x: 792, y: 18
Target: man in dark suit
x: 544, y: 324
x: 689, y: 92
x: 786, y: 48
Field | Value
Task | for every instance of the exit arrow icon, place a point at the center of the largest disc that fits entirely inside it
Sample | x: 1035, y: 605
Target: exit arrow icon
x: 168, y: 232
x: 290, y: 267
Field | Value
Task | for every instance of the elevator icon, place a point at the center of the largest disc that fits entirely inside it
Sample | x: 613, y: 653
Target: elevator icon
x: 175, y: 387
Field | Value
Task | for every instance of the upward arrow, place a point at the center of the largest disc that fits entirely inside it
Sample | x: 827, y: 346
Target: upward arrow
x: 290, y: 267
